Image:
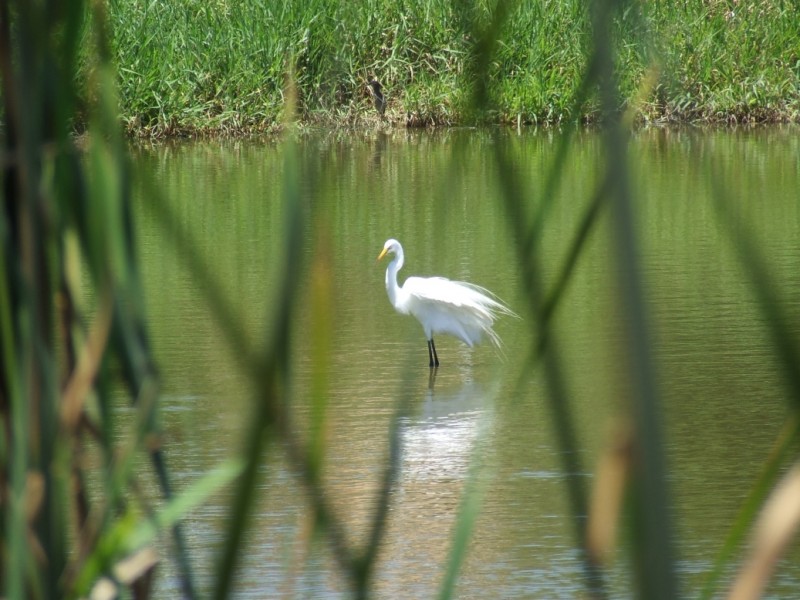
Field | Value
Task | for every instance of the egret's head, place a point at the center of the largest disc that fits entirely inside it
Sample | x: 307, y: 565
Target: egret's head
x: 392, y: 246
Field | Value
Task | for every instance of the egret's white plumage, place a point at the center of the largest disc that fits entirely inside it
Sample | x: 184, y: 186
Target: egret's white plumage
x: 461, y: 309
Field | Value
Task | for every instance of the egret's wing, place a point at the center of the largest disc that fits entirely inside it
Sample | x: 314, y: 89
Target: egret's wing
x: 444, y: 291
x: 462, y: 309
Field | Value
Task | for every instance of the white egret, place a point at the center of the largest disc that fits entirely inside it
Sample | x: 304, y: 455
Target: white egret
x: 460, y: 309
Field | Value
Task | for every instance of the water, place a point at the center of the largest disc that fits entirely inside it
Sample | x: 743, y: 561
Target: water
x: 723, y: 393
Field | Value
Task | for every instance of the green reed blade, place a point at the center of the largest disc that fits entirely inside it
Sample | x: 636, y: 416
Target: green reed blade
x: 364, y: 565
x: 190, y: 498
x: 272, y: 376
x: 652, y: 533
x: 548, y: 351
x: 466, y: 517
x: 787, y: 354
x: 769, y: 475
x: 512, y: 193
x: 787, y: 349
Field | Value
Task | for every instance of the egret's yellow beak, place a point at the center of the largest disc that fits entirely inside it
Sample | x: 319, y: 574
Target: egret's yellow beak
x: 381, y: 255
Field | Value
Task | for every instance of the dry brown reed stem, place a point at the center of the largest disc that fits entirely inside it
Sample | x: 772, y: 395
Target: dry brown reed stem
x: 771, y: 534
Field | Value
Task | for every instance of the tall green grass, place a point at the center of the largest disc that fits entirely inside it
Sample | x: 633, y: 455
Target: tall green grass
x: 73, y: 320
x: 220, y: 67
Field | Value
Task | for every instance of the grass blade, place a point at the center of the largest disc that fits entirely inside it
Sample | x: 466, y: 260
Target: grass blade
x: 653, y: 531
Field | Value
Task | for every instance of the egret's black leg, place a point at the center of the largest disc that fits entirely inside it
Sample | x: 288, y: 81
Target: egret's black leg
x: 434, y: 362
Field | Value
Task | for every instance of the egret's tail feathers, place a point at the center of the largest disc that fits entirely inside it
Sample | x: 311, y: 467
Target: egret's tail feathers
x: 488, y: 308
x: 488, y: 300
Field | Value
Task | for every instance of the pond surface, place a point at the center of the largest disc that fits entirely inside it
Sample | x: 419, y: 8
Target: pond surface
x: 723, y: 392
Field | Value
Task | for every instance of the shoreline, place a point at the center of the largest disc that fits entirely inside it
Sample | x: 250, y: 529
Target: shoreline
x: 369, y: 124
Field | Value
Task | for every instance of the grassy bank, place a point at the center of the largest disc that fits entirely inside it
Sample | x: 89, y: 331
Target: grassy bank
x: 194, y: 66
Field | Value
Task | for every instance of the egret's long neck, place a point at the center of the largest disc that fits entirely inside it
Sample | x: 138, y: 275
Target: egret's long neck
x: 391, y: 277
